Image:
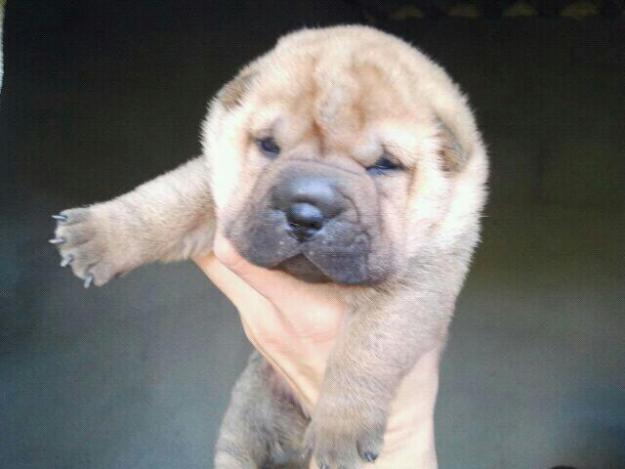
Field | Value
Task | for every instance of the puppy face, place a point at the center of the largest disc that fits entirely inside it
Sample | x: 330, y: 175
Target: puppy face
x: 329, y: 159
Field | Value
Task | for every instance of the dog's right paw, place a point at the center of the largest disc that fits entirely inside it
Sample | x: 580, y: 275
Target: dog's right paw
x: 344, y: 434
x: 83, y: 240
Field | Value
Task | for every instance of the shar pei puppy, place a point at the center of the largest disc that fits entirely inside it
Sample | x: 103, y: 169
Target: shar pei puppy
x: 342, y: 156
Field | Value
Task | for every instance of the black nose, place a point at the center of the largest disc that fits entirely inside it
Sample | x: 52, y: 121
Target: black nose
x: 308, y: 202
x: 304, y: 219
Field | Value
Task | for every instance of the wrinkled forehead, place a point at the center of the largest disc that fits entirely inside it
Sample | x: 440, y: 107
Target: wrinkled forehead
x: 335, y: 94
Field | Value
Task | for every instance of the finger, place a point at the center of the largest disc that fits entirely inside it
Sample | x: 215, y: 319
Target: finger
x: 273, y: 303
x: 285, y: 291
x: 258, y: 314
x: 268, y: 282
x: 233, y: 286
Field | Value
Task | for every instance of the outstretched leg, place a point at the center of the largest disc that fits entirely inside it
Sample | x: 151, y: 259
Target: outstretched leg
x: 166, y: 219
x: 264, y: 425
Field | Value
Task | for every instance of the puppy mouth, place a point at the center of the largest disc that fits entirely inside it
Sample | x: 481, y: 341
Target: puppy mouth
x: 314, y: 266
x: 300, y: 267
x: 323, y: 259
x: 339, y: 252
x: 342, y: 262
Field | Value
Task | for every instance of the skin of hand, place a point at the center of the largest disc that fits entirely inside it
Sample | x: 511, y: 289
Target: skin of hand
x: 294, y: 325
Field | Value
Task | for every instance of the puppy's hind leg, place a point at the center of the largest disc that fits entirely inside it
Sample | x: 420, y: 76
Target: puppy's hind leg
x: 263, y: 426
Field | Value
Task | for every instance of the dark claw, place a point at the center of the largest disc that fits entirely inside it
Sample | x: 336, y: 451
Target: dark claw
x: 67, y: 260
x: 370, y: 457
x: 57, y: 240
x: 59, y: 217
x: 88, y: 280
x: 324, y: 466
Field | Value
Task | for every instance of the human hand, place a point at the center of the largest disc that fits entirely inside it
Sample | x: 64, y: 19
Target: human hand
x: 294, y: 326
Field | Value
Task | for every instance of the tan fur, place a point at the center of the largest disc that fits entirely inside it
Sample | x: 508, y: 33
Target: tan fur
x: 335, y: 99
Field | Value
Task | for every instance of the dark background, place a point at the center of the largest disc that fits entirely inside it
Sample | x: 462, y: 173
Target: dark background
x: 100, y: 96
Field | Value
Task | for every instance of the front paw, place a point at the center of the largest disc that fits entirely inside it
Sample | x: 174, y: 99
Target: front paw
x: 346, y: 435
x: 82, y: 239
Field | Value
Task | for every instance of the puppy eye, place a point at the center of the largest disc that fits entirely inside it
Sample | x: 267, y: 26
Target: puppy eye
x: 268, y: 147
x: 384, y: 165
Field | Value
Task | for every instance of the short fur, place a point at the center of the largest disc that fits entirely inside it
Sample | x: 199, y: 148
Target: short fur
x: 336, y: 99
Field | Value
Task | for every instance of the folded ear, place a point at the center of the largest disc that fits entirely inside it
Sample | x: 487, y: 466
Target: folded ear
x: 232, y: 93
x: 453, y: 156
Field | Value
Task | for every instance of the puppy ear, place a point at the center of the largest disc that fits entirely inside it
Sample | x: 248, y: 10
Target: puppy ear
x: 453, y: 156
x: 232, y: 93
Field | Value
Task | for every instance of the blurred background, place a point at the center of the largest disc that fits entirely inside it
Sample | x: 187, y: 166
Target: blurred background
x: 100, y: 96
